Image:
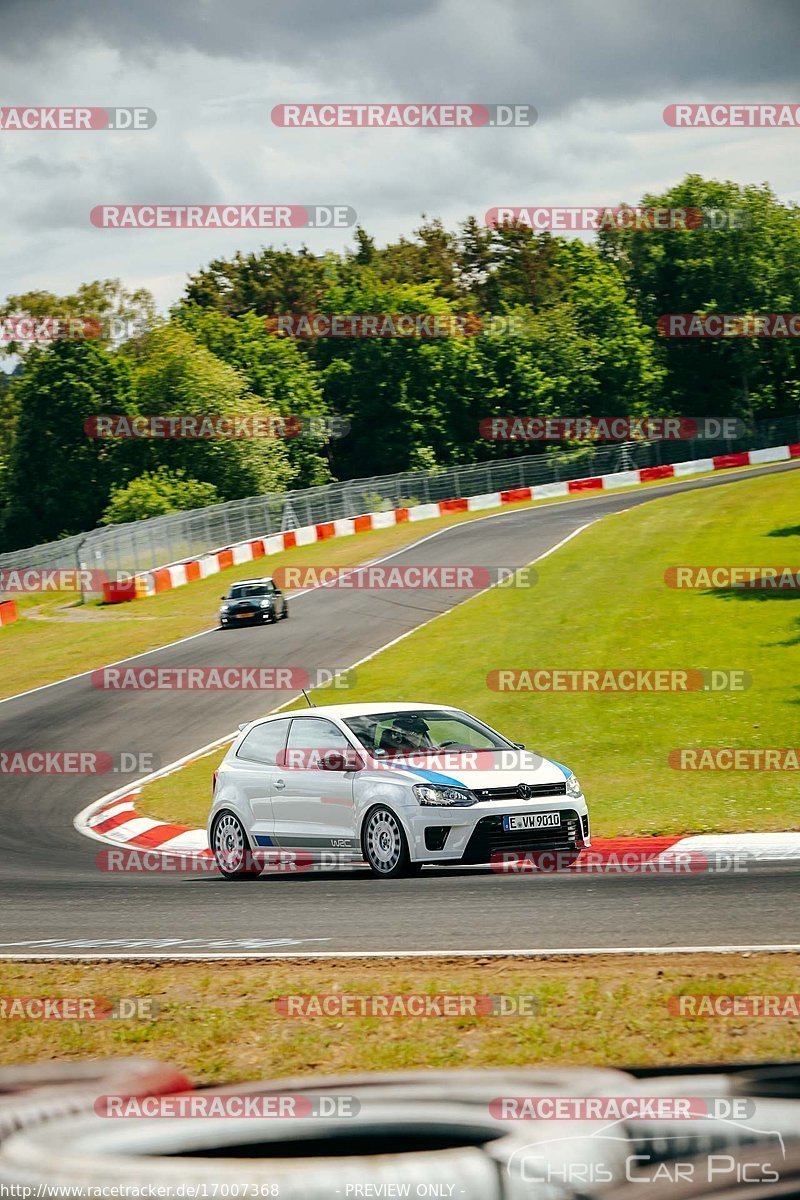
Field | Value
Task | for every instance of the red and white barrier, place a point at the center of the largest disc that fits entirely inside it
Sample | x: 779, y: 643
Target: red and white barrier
x: 164, y: 579
x: 8, y: 612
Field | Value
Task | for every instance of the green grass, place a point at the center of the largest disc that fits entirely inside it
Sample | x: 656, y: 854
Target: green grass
x: 56, y: 636
x: 219, y: 1021
x: 601, y: 602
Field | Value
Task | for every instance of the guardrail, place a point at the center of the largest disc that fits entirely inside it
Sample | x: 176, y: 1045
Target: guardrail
x: 173, y: 575
x: 142, y: 546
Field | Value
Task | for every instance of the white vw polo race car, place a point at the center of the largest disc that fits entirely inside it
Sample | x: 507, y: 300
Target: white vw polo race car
x: 395, y: 785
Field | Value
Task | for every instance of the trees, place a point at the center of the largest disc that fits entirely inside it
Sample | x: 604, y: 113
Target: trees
x: 577, y: 337
x: 279, y: 375
x: 748, y: 264
x: 58, y: 478
x: 156, y: 493
x: 173, y: 373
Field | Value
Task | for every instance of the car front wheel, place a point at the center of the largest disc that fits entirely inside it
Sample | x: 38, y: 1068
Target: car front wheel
x: 385, y: 846
x: 231, y: 848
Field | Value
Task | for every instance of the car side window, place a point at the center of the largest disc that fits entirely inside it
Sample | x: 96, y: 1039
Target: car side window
x: 264, y: 742
x: 315, y: 733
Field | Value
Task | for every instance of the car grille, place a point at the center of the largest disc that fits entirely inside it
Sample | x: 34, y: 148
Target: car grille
x: 535, y: 790
x: 489, y: 838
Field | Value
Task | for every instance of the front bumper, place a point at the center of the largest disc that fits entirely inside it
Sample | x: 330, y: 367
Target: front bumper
x: 476, y: 834
x: 249, y: 618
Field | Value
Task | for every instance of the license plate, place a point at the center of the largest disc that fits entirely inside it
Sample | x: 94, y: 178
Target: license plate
x: 549, y: 820
x: 243, y: 616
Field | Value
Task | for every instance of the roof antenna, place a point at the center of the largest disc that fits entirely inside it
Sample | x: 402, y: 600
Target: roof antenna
x: 308, y: 702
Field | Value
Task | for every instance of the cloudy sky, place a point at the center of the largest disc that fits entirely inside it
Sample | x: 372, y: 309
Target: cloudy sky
x: 599, y: 72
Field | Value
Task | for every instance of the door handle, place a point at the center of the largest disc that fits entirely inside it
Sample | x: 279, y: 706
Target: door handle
x: 280, y: 783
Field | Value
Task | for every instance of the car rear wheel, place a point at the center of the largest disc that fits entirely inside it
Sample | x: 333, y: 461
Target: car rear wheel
x: 385, y: 846
x: 231, y: 848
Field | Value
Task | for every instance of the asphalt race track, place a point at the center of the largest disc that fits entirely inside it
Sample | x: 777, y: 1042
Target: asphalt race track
x: 55, y: 901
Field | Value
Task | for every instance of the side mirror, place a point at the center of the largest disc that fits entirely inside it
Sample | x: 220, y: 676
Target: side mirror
x: 341, y: 760
x: 223, y: 597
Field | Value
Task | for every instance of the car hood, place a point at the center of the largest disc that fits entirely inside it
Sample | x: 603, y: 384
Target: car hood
x: 448, y: 771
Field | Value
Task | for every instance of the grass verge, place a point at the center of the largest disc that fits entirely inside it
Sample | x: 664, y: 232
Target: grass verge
x: 601, y: 602
x: 220, y: 1023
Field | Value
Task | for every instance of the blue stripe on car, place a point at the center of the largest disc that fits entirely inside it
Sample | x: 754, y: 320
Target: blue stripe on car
x: 261, y: 839
x: 434, y: 777
x: 561, y: 767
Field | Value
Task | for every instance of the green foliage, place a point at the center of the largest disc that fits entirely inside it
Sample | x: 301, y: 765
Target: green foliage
x: 156, y: 493
x: 58, y: 477
x: 750, y: 265
x: 173, y: 373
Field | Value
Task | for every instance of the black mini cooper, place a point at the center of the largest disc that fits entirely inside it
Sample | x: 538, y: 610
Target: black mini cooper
x: 253, y: 601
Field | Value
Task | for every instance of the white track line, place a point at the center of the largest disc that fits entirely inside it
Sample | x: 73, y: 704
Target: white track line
x: 568, y: 952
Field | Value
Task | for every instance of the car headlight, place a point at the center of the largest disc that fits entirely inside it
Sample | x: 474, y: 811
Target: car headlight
x: 224, y: 607
x: 266, y: 603
x: 573, y: 787
x: 448, y: 797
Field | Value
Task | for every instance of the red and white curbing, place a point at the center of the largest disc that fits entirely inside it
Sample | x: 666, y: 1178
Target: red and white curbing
x: 118, y: 823
x: 164, y: 579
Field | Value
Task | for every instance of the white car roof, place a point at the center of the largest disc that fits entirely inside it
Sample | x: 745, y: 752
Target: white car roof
x: 361, y: 710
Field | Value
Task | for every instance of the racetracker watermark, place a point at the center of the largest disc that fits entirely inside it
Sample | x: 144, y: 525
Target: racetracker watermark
x: 760, y: 1004
x: 78, y: 762
x: 609, y: 429
x: 44, y: 330
x: 236, y: 1105
x: 379, y: 577
x: 760, y: 579
x: 202, y: 427
x: 419, y: 1004
x: 265, y: 861
x: 403, y: 116
x: 196, y: 427
x: 78, y: 1008
x: 223, y: 216
x: 309, y: 758
x: 729, y: 325
x: 59, y: 579
x: 621, y: 679
x: 735, y: 758
x: 732, y: 116
x: 423, y: 326
x: 624, y: 862
x: 598, y: 217
x: 221, y: 679
x: 620, y: 1108
x: 75, y: 119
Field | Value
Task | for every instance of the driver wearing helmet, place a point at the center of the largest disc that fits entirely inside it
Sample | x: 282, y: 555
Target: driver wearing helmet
x: 406, y: 732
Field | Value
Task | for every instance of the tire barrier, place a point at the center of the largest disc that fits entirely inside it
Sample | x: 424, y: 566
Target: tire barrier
x: 42, y: 1091
x: 421, y: 1133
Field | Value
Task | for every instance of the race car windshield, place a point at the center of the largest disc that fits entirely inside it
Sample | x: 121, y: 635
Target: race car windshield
x: 248, y: 590
x: 423, y: 731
